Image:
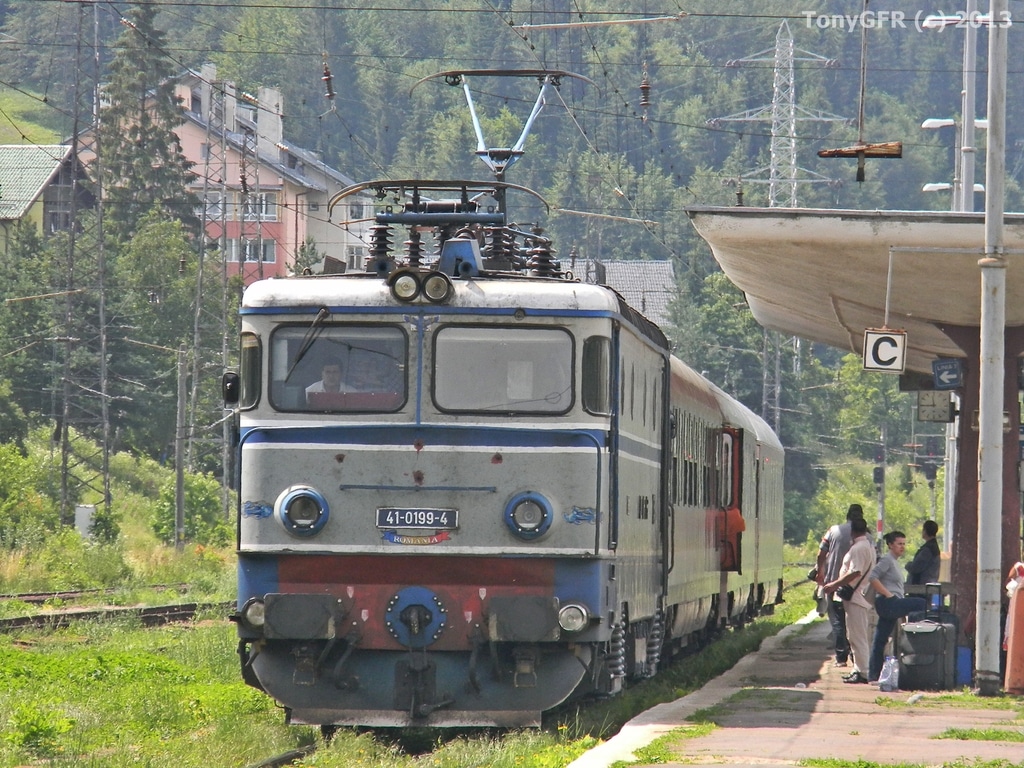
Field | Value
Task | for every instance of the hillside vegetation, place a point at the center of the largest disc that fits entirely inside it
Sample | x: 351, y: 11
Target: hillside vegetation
x: 666, y: 114
x: 130, y: 548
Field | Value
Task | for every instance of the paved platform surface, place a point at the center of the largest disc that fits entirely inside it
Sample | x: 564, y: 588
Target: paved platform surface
x: 787, y: 703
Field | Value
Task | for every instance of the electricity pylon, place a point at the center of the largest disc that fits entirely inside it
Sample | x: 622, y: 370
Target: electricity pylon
x: 784, y: 114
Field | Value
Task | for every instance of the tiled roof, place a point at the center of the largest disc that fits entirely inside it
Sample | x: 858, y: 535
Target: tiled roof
x: 25, y: 170
x: 648, y: 286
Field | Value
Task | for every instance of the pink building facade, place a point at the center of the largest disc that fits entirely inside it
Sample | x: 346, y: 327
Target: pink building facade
x: 263, y: 197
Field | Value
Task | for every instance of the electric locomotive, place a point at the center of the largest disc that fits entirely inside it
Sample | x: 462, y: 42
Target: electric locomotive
x: 515, y: 494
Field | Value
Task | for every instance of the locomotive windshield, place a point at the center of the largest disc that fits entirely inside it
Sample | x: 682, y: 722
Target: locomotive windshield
x: 510, y: 370
x: 344, y: 368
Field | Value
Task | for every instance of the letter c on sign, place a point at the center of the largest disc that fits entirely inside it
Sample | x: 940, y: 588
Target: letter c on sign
x: 876, y: 351
x: 884, y: 350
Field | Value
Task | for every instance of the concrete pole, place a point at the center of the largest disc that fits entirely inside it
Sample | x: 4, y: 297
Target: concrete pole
x: 179, y: 454
x: 993, y: 335
x: 966, y: 148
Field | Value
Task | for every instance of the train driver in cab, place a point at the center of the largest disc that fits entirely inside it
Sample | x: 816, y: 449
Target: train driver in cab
x: 330, y: 381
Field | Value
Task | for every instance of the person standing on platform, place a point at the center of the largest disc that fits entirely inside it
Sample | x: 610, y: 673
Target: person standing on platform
x: 857, y: 564
x: 833, y: 548
x: 887, y: 580
x: 924, y: 568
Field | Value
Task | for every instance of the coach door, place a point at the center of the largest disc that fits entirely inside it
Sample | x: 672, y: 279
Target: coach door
x: 730, y: 492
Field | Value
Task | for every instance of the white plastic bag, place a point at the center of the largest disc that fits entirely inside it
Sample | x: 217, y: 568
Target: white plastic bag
x: 889, y: 679
x: 1016, y: 577
x: 821, y: 601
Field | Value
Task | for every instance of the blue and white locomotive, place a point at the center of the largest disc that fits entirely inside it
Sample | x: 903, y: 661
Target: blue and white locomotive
x: 472, y: 487
x: 514, y: 495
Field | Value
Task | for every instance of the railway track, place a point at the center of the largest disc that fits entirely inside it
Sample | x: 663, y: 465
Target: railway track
x: 149, y: 616
x: 37, y: 598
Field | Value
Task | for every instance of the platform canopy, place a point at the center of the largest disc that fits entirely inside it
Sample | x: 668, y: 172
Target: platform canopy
x: 822, y: 275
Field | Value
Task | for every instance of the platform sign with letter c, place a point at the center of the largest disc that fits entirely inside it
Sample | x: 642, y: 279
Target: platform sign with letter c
x: 885, y: 350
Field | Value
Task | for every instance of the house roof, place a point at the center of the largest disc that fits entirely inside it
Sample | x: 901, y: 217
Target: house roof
x: 647, y: 285
x: 237, y: 141
x: 25, y: 170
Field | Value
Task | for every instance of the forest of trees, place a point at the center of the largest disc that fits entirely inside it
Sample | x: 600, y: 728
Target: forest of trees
x: 634, y: 157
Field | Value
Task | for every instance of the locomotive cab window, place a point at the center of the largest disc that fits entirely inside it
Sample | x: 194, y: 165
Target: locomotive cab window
x: 505, y: 370
x: 596, y: 376
x: 249, y: 369
x: 341, y: 369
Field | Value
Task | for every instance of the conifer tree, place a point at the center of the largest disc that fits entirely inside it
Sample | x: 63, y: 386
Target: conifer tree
x: 142, y: 165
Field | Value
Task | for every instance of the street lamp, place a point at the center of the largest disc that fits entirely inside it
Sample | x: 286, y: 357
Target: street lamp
x: 960, y: 170
x: 944, y: 186
x: 964, y: 200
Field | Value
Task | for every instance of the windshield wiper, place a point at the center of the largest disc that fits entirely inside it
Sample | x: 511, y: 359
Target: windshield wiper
x: 311, y: 336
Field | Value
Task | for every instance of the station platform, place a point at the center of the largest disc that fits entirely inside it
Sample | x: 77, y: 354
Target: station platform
x: 787, y: 703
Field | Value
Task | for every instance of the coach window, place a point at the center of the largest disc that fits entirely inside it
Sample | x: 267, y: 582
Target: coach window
x: 503, y: 370
x: 726, y: 470
x: 250, y: 371
x: 596, y: 378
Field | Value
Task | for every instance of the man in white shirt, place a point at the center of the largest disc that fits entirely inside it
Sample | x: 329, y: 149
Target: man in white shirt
x: 330, y: 379
x: 857, y: 564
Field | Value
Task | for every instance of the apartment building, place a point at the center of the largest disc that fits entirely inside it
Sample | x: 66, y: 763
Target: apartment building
x: 264, y: 197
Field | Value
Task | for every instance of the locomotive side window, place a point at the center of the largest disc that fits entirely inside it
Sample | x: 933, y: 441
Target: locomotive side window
x: 250, y: 370
x: 596, y: 379
x: 508, y: 370
x: 345, y: 368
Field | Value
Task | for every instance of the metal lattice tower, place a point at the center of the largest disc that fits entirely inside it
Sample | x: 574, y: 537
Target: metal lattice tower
x: 783, y: 179
x: 80, y: 397
x: 783, y: 170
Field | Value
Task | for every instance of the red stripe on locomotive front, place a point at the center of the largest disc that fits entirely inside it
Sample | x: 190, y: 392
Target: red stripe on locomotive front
x: 366, y: 584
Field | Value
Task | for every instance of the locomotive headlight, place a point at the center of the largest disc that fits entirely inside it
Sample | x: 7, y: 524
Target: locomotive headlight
x: 528, y: 515
x: 254, y: 613
x: 573, y: 618
x: 404, y: 285
x: 438, y: 288
x: 302, y: 510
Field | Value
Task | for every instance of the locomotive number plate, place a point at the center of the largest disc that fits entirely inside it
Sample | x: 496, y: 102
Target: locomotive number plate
x: 402, y: 517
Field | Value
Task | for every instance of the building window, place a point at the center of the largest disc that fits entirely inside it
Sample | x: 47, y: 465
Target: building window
x: 251, y: 249
x: 261, y: 207
x: 213, y: 205
x: 355, y: 256
x: 57, y: 221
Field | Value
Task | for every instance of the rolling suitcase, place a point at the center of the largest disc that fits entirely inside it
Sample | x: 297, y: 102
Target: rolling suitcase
x: 927, y: 653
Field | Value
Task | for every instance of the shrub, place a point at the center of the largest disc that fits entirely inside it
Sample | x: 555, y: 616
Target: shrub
x: 36, y: 731
x: 205, y: 522
x: 26, y: 514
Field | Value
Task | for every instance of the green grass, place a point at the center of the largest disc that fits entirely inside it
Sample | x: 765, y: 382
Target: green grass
x: 958, y: 763
x: 982, y: 734
x: 27, y: 120
x: 133, y: 697
x: 962, y: 698
x: 662, y: 749
x: 114, y: 694
x: 838, y: 763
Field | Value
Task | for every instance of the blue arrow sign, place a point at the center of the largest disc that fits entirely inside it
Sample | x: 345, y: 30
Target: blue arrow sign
x: 948, y: 373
